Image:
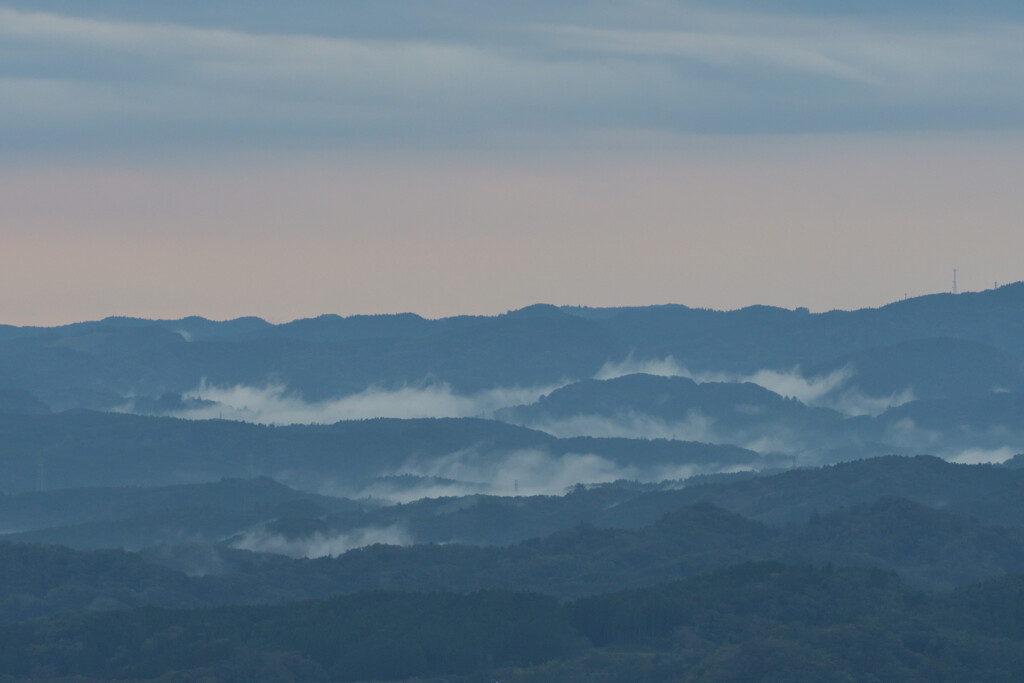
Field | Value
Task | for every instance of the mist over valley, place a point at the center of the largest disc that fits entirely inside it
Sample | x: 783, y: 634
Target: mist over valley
x: 566, y: 453
x: 520, y: 342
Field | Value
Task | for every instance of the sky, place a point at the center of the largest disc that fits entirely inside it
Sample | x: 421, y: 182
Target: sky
x: 233, y: 158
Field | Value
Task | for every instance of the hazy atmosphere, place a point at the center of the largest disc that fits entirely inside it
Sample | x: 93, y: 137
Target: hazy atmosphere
x: 230, y: 158
x: 542, y: 341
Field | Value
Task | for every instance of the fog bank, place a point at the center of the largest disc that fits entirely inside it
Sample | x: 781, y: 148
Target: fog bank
x: 277, y: 405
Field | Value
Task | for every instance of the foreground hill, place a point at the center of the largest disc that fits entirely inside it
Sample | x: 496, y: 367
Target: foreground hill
x: 927, y: 548
x: 600, y: 543
x: 811, y: 625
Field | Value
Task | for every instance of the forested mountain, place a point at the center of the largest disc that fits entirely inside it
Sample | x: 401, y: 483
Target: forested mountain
x: 750, y: 622
x: 103, y: 364
x: 918, y: 517
x: 172, y: 490
x: 127, y: 517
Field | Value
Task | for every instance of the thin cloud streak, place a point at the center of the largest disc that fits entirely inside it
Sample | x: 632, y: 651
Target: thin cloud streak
x: 704, y: 71
x: 859, y: 51
x: 780, y: 52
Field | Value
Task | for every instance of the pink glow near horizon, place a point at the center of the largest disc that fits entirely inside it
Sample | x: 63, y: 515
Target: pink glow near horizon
x: 824, y: 223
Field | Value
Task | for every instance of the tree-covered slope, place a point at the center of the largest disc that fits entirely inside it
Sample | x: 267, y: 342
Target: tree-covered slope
x: 763, y: 621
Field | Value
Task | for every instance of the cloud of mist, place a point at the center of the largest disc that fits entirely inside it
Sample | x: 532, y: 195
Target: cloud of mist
x: 523, y: 472
x: 528, y: 472
x: 854, y: 403
x: 773, y: 439
x: 394, y: 492
x: 664, y: 367
x: 275, y: 404
x: 631, y: 425
x: 821, y: 391
x: 956, y: 443
x: 785, y: 383
x: 979, y: 456
x: 320, y: 544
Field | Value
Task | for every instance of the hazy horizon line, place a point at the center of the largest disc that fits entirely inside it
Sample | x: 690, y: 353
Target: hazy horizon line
x: 277, y: 321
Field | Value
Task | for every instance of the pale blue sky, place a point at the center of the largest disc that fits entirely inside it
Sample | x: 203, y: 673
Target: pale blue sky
x: 287, y: 159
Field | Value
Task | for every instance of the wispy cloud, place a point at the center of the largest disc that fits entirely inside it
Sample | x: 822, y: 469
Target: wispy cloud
x: 631, y: 425
x: 685, y: 71
x: 276, y: 404
x: 954, y: 441
x: 978, y: 456
x: 193, y: 80
x: 662, y: 367
x: 782, y: 51
x: 527, y: 472
x: 852, y: 402
x: 521, y: 473
x: 789, y: 383
x: 769, y: 439
x: 320, y: 544
x: 830, y: 390
x: 866, y: 51
x: 401, y: 492
x: 465, y: 473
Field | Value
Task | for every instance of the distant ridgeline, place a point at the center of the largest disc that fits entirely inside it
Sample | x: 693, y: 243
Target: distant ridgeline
x: 940, y: 346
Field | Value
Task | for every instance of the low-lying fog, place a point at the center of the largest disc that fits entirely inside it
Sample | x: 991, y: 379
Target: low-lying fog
x: 276, y: 404
x: 819, y: 391
x: 530, y: 472
x: 319, y: 544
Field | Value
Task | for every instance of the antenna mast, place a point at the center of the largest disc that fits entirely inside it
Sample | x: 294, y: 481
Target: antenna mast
x: 954, y: 280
